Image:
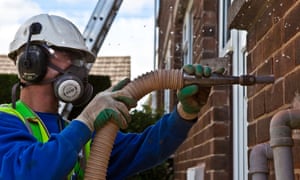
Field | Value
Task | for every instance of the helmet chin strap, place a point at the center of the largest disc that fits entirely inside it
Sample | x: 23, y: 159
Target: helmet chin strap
x: 19, y: 84
x: 56, y: 68
x: 13, y: 93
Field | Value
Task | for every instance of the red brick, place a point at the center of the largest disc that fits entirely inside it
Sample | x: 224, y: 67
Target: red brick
x: 220, y: 130
x: 200, y: 151
x: 251, y: 39
x: 201, y: 136
x: 274, y: 96
x: 284, y: 61
x: 291, y: 24
x: 219, y: 98
x: 208, y: 54
x: 209, y: 17
x: 220, y: 113
x: 272, y: 41
x: 251, y: 134
x: 251, y: 90
x: 203, y: 122
x: 220, y: 146
x: 266, y: 68
x: 263, y: 23
x: 249, y: 62
x: 263, y: 133
x: 258, y: 55
x: 210, y: 5
x: 218, y: 175
x: 297, y: 50
x: 216, y: 163
x: 279, y: 9
x: 258, y: 105
x: 250, y: 117
x: 208, y: 43
x: 292, y: 86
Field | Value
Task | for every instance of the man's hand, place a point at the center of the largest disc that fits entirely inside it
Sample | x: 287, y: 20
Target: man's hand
x: 192, y: 98
x: 111, y: 103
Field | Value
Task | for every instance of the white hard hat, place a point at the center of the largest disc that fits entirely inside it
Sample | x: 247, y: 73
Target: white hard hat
x: 55, y: 31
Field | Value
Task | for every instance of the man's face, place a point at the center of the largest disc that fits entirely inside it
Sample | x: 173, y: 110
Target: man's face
x: 63, y: 59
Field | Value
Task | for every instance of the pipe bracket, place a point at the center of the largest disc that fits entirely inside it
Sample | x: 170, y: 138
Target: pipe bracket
x: 281, y: 136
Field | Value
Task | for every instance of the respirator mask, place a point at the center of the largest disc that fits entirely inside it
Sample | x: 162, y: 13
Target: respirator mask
x: 71, y: 85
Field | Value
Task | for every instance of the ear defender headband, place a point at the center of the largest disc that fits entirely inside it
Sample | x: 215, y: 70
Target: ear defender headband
x: 32, y: 63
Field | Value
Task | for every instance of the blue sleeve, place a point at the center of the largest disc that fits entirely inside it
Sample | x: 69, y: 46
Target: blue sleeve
x: 23, y: 157
x: 134, y: 152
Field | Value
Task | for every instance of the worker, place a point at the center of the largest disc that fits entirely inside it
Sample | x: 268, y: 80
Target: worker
x: 37, y: 143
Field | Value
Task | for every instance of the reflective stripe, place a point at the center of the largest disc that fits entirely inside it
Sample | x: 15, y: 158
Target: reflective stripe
x: 34, y: 125
x: 37, y: 128
x: 8, y: 109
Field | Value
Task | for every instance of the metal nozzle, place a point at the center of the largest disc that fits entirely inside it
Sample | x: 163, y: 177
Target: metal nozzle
x: 216, y: 80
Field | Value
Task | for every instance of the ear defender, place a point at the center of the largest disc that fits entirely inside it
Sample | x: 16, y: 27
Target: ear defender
x: 32, y: 63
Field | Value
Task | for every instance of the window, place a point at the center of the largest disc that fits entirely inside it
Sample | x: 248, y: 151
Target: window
x: 167, y: 92
x: 235, y: 40
x: 224, y: 33
x: 187, y: 35
x: 196, y: 173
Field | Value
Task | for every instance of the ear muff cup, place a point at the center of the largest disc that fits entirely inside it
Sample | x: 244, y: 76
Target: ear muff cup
x: 32, y: 64
x: 68, y: 88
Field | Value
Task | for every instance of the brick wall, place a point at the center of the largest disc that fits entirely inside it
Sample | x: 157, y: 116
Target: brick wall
x: 210, y: 140
x: 273, y: 48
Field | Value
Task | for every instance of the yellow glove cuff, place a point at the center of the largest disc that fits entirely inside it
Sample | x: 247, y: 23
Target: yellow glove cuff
x: 185, y: 115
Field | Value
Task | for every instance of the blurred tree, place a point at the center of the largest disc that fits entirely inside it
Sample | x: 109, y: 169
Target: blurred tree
x: 141, y: 119
x: 6, y: 83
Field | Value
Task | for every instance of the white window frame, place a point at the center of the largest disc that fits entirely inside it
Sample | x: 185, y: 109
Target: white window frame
x: 224, y: 43
x: 236, y: 43
x: 167, y: 92
x: 187, y: 35
x: 196, y: 172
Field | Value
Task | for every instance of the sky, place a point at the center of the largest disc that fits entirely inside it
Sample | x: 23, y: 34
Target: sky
x: 131, y: 34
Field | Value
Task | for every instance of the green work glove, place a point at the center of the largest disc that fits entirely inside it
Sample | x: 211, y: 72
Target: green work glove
x: 192, y: 98
x: 111, y: 103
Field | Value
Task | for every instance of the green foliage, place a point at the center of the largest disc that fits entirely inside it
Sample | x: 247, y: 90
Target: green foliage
x: 6, y: 83
x: 141, y: 119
